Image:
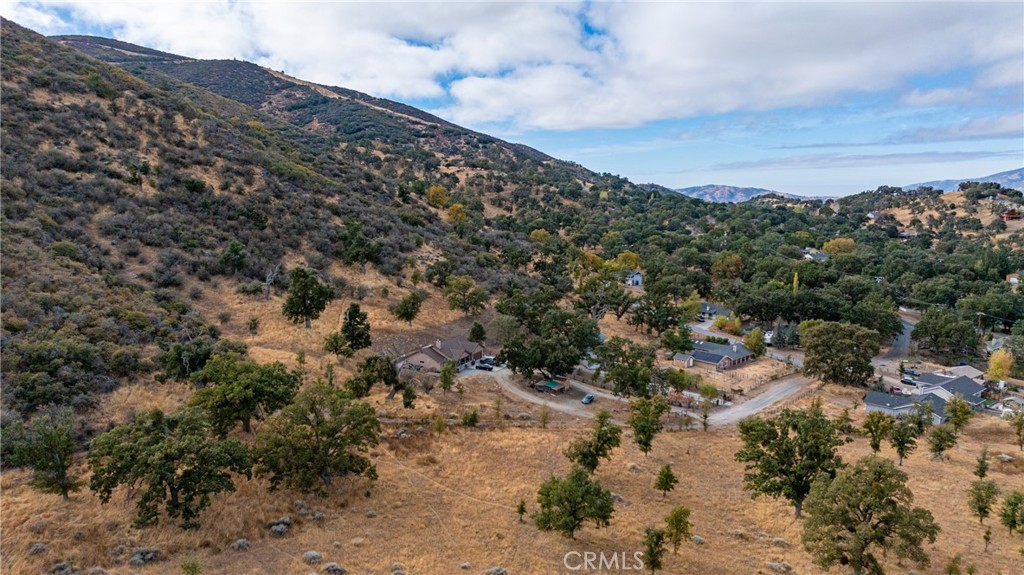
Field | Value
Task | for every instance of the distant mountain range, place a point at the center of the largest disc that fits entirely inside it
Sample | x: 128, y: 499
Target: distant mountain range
x: 1010, y: 179
x: 724, y: 194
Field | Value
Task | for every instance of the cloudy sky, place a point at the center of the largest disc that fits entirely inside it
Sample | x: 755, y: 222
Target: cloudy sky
x: 803, y: 97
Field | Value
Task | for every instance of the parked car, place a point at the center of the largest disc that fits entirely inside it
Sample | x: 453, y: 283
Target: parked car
x: 912, y: 372
x: 588, y: 399
x: 485, y: 366
x: 908, y: 380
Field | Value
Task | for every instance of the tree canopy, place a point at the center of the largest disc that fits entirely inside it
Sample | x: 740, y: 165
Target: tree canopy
x: 785, y: 453
x: 307, y: 297
x: 840, y: 352
x: 236, y: 390
x: 645, y: 420
x: 867, y: 508
x: 172, y: 459
x: 321, y: 435
x: 46, y: 443
x: 565, y: 504
x: 587, y: 452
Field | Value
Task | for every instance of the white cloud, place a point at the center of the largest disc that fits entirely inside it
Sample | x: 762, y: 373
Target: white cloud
x: 531, y: 65
x: 838, y: 161
x: 1007, y: 126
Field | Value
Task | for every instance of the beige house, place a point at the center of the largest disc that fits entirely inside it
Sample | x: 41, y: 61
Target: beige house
x: 431, y: 357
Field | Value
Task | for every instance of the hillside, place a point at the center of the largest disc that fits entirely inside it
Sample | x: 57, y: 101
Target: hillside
x: 1013, y: 179
x: 153, y: 207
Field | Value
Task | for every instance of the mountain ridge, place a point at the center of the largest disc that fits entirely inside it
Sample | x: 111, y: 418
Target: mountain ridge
x: 718, y: 193
x: 1009, y: 179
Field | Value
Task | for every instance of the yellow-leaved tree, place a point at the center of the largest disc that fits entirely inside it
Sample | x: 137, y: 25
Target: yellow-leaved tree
x: 839, y: 246
x: 437, y: 196
x: 1000, y: 364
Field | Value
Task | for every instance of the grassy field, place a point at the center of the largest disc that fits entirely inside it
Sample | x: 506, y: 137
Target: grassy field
x: 442, y: 500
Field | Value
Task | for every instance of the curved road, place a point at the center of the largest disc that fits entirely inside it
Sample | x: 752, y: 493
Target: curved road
x: 772, y: 394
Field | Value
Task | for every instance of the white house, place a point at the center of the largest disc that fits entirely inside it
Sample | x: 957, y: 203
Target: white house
x: 634, y: 279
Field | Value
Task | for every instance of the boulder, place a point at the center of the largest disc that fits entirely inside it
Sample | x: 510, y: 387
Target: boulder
x: 142, y: 556
x: 311, y: 558
x: 334, y: 569
x: 240, y: 545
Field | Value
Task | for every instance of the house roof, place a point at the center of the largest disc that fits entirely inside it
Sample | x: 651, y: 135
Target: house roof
x: 734, y: 351
x: 455, y: 348
x: 933, y: 379
x: 634, y: 273
x: 714, y: 308
x: 995, y: 344
x: 707, y: 357
x: 938, y: 404
x: 816, y: 256
x: 965, y: 371
x: 879, y: 399
x: 965, y: 386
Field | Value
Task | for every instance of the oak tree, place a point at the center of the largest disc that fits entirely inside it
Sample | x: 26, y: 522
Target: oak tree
x: 46, y: 444
x: 172, y: 459
x: 323, y: 434
x: 785, y: 453
x: 645, y: 420
x: 587, y: 452
x: 840, y: 352
x: 878, y: 426
x: 677, y: 526
x: 903, y: 438
x: 565, y: 504
x: 867, y: 507
x: 408, y: 307
x: 237, y: 390
x: 307, y: 297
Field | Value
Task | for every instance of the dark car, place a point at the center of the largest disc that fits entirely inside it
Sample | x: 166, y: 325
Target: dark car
x: 485, y: 366
x: 912, y: 372
x: 588, y: 399
x: 907, y: 380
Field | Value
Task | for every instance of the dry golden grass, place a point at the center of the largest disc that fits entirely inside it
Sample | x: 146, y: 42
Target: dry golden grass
x: 442, y: 500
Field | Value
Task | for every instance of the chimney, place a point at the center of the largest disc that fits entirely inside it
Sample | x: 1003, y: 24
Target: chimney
x: 437, y: 344
x: 735, y: 347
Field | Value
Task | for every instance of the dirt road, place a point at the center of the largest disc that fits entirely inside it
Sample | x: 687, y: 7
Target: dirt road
x: 772, y: 394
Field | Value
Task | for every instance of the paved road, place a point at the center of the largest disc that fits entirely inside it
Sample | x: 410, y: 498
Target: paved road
x: 778, y: 391
x: 901, y: 345
x: 772, y: 394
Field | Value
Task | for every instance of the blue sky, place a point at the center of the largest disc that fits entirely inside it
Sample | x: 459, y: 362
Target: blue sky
x: 816, y: 98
